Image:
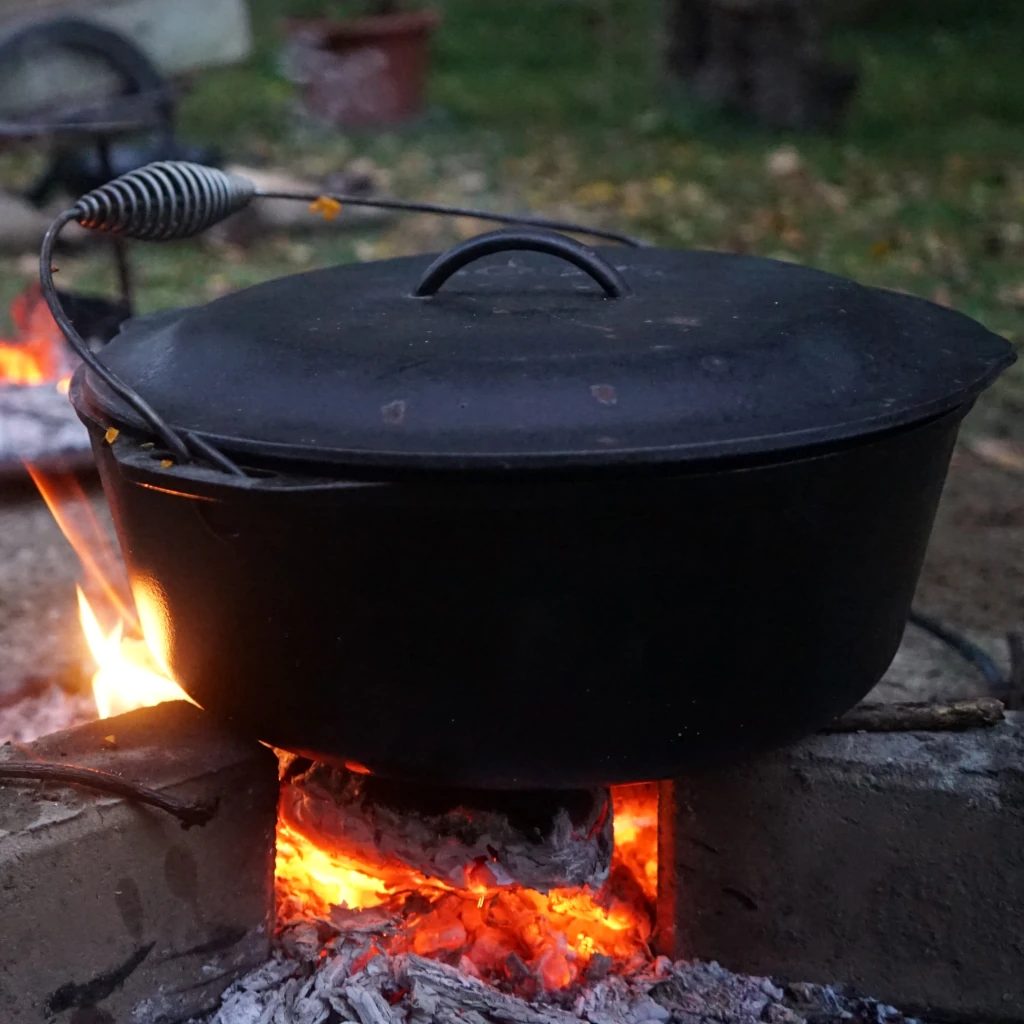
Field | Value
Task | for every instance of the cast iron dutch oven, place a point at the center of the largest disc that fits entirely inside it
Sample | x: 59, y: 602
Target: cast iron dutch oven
x: 534, y: 514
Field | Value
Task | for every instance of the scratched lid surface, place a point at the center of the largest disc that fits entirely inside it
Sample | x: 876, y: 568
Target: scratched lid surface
x: 521, y: 361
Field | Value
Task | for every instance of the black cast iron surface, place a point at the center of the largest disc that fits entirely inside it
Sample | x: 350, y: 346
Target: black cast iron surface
x: 532, y: 633
x: 531, y: 523
x: 523, y: 361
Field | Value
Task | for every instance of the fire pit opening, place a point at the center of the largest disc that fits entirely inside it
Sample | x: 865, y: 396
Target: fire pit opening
x: 528, y: 891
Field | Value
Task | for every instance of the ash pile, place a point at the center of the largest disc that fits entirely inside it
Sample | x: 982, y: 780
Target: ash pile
x: 37, y: 422
x: 345, y: 986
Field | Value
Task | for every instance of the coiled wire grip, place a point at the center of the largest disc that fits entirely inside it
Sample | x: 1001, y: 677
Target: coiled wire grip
x: 174, y: 200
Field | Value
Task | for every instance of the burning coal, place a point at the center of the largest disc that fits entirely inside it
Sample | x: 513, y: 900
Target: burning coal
x: 475, y: 915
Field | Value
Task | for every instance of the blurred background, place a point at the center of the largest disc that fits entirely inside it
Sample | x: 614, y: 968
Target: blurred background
x: 878, y: 139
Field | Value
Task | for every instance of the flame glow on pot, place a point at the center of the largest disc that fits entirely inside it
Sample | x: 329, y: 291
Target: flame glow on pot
x: 507, y: 934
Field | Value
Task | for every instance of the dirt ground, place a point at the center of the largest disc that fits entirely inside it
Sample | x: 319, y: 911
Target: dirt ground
x: 973, y: 580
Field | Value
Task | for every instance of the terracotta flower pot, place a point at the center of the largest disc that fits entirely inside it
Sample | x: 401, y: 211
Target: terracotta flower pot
x: 367, y: 71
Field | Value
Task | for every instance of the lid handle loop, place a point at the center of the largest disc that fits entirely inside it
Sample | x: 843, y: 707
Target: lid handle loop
x: 549, y: 242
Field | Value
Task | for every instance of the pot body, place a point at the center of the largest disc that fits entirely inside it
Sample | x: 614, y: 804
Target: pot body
x: 366, y: 72
x: 535, y: 631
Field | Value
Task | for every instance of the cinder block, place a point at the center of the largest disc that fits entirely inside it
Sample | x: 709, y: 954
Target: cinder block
x: 110, y: 911
x: 890, y: 862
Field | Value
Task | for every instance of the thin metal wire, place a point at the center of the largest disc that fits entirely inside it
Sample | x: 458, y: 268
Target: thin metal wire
x: 415, y: 206
x: 160, y: 427
x: 967, y: 649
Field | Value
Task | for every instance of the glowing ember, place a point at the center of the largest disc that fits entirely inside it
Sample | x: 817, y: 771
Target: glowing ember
x: 636, y: 834
x: 495, y: 933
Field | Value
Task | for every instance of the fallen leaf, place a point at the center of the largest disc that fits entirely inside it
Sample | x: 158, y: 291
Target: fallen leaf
x: 166, y: 463
x: 471, y: 182
x: 794, y: 238
x: 694, y: 195
x: 111, y: 435
x: 1012, y: 295
x: 662, y: 186
x: 998, y: 451
x: 216, y: 285
x: 468, y: 227
x: 784, y: 162
x: 299, y: 253
x: 634, y: 203
x: 596, y: 193
x: 327, y: 207
x: 833, y: 197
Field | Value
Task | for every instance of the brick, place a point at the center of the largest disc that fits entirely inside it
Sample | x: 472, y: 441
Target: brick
x: 890, y: 862
x: 109, y: 910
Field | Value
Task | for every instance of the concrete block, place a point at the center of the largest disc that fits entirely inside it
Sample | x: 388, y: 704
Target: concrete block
x: 178, y: 35
x: 109, y: 910
x: 890, y: 862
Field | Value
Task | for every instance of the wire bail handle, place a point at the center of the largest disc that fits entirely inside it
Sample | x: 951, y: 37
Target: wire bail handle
x: 174, y: 199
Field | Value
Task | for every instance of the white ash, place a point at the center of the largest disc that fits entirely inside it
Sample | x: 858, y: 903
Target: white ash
x: 40, y: 713
x: 345, y: 988
x: 831, y: 1003
x: 38, y: 424
x: 409, y: 989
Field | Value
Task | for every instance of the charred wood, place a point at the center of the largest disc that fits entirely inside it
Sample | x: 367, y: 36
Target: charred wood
x: 958, y: 715
x: 540, y: 840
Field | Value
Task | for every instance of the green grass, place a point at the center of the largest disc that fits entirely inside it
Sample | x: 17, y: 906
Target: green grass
x: 559, y: 106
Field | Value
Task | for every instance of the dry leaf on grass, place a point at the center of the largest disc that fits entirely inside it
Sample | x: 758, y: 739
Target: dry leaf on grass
x: 1000, y: 452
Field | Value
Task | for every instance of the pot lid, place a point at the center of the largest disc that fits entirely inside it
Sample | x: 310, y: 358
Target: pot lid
x: 599, y: 357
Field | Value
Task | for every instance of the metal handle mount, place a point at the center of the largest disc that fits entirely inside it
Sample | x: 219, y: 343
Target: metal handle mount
x: 549, y: 242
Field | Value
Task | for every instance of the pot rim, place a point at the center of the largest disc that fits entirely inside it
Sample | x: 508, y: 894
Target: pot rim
x: 282, y: 478
x: 364, y: 29
x: 383, y: 465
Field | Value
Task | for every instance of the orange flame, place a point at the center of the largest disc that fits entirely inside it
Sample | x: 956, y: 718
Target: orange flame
x: 71, y: 508
x: 38, y: 354
x: 127, y: 676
